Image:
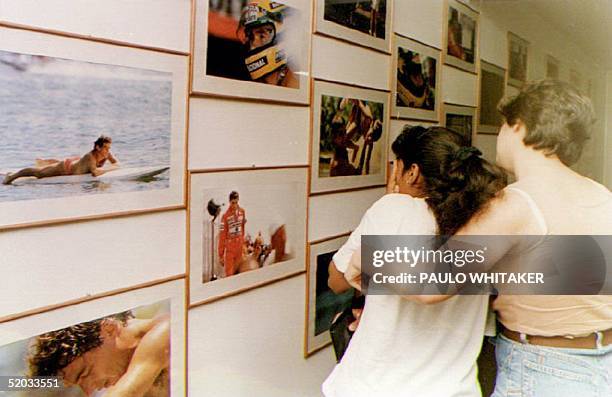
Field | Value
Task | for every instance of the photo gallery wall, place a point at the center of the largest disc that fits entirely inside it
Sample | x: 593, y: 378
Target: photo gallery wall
x: 96, y: 130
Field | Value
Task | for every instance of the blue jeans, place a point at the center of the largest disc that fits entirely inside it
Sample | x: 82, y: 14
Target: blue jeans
x: 525, y: 370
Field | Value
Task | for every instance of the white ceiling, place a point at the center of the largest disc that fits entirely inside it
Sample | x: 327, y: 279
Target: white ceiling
x: 589, y: 22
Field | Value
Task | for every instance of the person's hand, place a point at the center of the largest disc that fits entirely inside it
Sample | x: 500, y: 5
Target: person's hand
x: 357, y: 314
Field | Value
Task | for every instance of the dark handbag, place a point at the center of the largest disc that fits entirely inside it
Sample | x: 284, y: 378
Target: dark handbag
x: 339, y: 329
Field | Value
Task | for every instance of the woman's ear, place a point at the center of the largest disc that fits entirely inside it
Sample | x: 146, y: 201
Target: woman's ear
x: 412, y: 175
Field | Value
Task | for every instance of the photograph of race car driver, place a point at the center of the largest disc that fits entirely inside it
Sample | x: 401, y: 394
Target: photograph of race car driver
x: 249, y: 42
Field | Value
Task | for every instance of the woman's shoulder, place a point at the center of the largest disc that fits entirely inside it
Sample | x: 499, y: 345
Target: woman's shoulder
x: 509, y: 212
x: 397, y: 203
x: 396, y: 213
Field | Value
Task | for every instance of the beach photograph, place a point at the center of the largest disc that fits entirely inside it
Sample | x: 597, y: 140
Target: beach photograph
x: 72, y: 128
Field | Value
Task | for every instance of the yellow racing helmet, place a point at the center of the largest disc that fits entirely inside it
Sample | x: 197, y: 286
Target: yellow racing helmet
x: 262, y: 12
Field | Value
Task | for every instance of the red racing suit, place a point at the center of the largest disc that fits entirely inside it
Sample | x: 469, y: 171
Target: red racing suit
x: 231, y: 239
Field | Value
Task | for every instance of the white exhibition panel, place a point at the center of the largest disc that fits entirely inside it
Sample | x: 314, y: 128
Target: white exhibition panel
x: 252, y: 345
x: 420, y: 20
x: 339, y: 213
x: 53, y: 264
x: 229, y: 133
x: 497, y: 21
x: 459, y: 87
x: 155, y: 23
x: 341, y: 62
x: 487, y: 145
x: 493, y: 42
x: 173, y: 292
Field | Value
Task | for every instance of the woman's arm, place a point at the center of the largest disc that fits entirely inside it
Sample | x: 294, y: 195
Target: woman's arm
x: 507, y: 215
x: 336, y: 281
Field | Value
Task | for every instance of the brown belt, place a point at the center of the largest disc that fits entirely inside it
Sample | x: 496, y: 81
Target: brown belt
x: 582, y: 342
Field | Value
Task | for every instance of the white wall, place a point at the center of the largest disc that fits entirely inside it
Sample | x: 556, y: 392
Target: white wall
x: 545, y: 40
x: 252, y: 345
x: 154, y: 23
x: 53, y: 264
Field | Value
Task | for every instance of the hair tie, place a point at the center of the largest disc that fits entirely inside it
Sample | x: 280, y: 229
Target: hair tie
x: 466, y: 152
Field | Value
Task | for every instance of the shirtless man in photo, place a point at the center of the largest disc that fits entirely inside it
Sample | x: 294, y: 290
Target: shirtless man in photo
x: 91, y: 163
x: 124, y: 356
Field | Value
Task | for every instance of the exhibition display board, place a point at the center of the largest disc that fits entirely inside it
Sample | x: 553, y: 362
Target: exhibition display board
x: 235, y: 145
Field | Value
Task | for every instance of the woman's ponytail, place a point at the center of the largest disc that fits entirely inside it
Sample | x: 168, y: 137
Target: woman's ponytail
x: 458, y: 181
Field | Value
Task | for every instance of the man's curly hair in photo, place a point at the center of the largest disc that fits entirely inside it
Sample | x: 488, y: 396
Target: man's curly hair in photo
x: 53, y: 351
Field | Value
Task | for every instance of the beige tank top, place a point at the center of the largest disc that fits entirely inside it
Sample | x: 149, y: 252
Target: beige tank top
x: 557, y: 315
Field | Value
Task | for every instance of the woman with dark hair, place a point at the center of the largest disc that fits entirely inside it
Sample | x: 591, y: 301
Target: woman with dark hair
x: 403, y: 348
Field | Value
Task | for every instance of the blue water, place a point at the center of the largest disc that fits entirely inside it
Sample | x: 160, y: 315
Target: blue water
x: 57, y: 108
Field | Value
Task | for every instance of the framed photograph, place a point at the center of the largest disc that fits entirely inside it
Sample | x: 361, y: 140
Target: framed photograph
x: 253, y: 49
x: 363, y: 22
x: 416, y: 85
x: 491, y: 92
x: 460, y: 119
x: 88, y: 129
x: 552, y: 67
x: 323, y: 305
x: 518, y: 52
x: 98, y: 346
x: 247, y: 228
x: 461, y: 36
x: 349, y: 137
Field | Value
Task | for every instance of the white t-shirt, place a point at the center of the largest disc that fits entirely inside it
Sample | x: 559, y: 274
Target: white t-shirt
x: 403, y: 348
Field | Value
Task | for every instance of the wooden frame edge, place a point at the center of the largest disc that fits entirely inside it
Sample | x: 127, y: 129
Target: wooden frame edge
x: 87, y: 298
x: 239, y: 291
x: 78, y: 36
x: 87, y: 218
